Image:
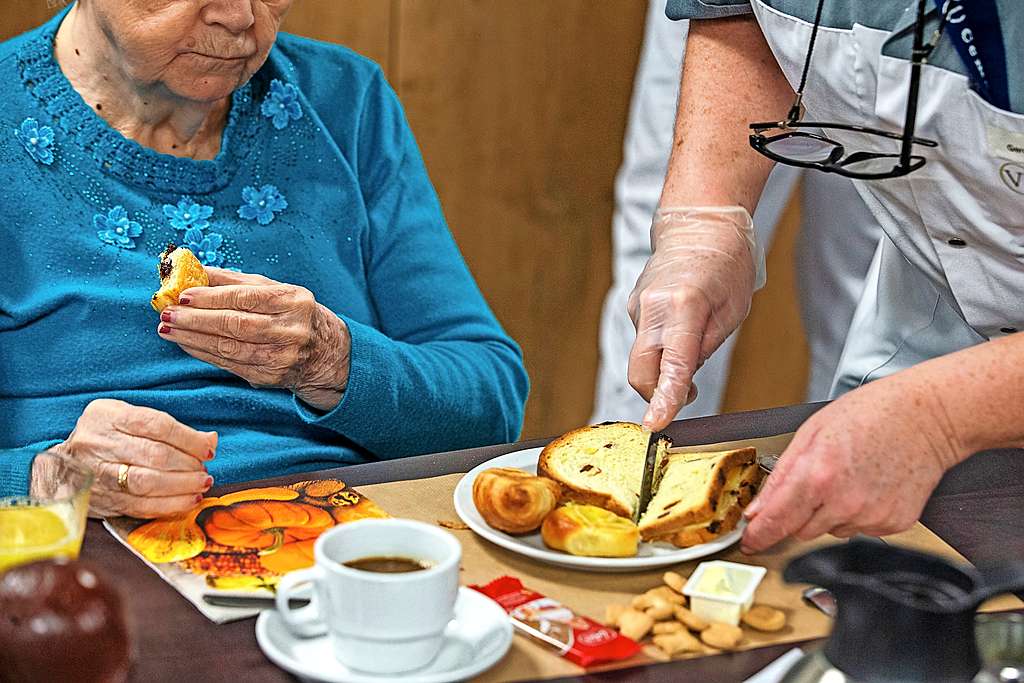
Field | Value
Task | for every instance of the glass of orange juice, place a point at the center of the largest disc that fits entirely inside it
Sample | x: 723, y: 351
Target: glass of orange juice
x: 50, y: 521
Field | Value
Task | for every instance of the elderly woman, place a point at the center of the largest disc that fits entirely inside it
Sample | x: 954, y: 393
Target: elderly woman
x: 131, y: 124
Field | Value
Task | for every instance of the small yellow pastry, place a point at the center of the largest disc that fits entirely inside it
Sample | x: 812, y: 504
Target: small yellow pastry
x: 179, y: 269
x: 589, y: 531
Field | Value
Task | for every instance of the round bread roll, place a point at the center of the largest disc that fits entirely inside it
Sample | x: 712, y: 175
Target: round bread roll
x: 513, y: 501
x: 590, y: 531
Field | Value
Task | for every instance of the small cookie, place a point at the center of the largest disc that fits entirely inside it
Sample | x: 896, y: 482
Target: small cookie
x: 612, y: 614
x: 765, y: 618
x: 674, y: 581
x: 660, y: 609
x: 675, y: 643
x: 667, y: 593
x: 689, y: 619
x: 635, y: 624
x: 667, y: 627
x: 656, y: 653
x: 722, y: 636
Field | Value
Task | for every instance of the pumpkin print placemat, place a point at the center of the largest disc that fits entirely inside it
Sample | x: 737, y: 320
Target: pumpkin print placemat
x: 241, y: 543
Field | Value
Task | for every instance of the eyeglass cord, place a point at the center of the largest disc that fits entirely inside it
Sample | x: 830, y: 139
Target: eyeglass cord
x: 794, y: 111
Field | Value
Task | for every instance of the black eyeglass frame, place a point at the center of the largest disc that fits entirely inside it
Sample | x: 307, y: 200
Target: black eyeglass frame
x: 838, y: 160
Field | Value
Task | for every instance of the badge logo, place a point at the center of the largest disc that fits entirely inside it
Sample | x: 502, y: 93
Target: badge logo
x: 1012, y: 175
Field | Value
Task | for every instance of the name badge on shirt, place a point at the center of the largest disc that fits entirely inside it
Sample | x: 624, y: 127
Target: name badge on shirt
x: 1005, y: 144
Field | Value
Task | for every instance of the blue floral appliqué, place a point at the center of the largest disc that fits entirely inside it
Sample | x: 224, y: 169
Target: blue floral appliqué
x: 205, y: 246
x: 187, y: 214
x: 38, y: 140
x: 261, y: 205
x: 115, y: 228
x: 281, y: 104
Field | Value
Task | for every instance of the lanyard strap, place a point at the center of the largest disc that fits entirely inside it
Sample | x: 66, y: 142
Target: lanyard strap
x: 973, y: 26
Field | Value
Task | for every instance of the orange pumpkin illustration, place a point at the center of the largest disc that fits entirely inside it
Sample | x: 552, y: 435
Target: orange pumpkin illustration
x: 247, y: 539
x: 283, y: 531
x: 177, y: 538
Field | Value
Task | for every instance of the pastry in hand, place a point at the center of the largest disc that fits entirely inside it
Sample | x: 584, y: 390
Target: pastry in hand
x: 590, y: 531
x: 179, y: 269
x: 513, y: 501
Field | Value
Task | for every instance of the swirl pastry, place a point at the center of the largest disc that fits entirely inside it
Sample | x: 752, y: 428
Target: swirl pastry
x: 179, y: 269
x: 513, y: 501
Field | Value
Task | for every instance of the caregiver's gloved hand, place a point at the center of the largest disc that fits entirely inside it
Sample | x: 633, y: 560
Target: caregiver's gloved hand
x: 694, y: 292
x: 866, y: 463
x: 166, y: 460
x: 269, y: 333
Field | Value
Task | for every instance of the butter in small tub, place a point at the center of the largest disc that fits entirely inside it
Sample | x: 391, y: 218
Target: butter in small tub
x: 723, y: 591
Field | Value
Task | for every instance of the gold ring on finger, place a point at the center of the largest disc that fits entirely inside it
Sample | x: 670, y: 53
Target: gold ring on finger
x: 122, y: 477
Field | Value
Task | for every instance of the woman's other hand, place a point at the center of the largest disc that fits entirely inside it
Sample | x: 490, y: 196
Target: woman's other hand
x: 166, y: 471
x: 269, y: 333
x: 865, y: 464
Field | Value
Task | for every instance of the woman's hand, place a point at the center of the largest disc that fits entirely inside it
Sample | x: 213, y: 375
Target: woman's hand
x: 166, y: 473
x: 268, y: 333
x: 865, y: 464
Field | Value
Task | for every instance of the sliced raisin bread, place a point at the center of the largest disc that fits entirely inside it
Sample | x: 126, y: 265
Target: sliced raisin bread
x: 700, y: 496
x: 600, y: 465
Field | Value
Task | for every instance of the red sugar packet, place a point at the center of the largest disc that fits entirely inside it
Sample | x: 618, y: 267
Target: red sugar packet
x: 579, y: 639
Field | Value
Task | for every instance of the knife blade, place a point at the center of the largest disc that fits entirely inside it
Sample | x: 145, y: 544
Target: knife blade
x: 650, y: 462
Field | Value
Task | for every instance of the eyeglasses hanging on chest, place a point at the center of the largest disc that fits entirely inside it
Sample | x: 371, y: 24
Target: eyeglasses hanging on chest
x: 808, y: 144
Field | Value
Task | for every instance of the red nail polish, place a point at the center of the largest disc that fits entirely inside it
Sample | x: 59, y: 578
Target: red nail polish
x: 166, y: 316
x: 165, y: 329
x: 185, y: 300
x: 198, y: 498
x: 209, y: 455
x: 208, y: 483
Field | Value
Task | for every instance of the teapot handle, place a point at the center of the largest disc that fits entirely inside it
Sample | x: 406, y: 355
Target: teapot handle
x: 999, y: 578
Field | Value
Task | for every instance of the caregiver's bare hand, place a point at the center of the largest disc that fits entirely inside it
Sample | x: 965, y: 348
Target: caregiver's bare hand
x: 866, y: 463
x: 269, y: 333
x: 166, y: 459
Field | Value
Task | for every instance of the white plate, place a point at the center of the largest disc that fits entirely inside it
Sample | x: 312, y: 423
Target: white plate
x: 478, y: 636
x: 649, y: 555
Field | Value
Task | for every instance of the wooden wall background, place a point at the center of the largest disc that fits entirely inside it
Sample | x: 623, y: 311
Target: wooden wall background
x: 520, y: 108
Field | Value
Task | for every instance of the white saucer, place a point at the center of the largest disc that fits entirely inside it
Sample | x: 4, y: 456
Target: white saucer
x: 475, y: 640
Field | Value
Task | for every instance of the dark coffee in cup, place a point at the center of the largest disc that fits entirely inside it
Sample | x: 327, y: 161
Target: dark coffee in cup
x: 388, y: 565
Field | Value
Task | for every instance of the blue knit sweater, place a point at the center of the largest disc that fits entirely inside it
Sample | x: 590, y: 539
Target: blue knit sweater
x: 318, y: 183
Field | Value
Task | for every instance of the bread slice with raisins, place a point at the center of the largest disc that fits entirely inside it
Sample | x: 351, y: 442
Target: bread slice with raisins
x: 699, y: 495
x: 600, y: 465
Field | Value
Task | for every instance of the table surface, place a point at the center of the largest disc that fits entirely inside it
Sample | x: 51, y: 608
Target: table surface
x: 977, y: 508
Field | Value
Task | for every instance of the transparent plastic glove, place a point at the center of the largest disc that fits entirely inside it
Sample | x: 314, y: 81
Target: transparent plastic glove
x: 693, y: 293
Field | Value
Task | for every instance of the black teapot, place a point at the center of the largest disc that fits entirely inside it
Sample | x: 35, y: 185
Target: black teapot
x: 903, y: 616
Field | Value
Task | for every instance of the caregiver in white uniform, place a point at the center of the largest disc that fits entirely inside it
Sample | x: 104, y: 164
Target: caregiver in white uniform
x: 829, y: 281
x: 933, y: 361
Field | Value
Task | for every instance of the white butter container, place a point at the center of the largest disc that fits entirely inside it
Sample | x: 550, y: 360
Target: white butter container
x: 723, y: 591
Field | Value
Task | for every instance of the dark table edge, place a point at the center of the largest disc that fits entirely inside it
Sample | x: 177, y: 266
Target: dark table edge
x: 694, y: 431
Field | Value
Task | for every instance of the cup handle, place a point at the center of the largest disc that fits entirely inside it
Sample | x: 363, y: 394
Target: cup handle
x: 305, y: 621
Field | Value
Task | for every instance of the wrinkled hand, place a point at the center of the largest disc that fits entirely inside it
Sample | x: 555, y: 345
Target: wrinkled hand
x: 693, y: 293
x: 166, y: 474
x: 866, y: 464
x: 268, y: 333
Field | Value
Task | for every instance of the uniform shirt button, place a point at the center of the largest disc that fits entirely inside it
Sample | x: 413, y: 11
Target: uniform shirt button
x: 1007, y: 330
x: 956, y: 242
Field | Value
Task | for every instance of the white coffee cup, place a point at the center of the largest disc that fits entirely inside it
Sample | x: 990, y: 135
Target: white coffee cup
x: 378, y: 622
